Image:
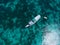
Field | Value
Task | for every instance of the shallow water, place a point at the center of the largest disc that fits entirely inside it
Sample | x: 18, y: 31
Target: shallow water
x: 15, y: 15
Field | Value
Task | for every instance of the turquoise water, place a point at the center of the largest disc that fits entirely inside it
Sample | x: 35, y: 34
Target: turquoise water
x: 15, y: 15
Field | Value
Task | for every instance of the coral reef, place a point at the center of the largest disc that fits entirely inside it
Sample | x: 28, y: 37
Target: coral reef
x: 15, y: 14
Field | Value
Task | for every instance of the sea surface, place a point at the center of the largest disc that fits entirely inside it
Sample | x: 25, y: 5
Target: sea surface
x: 15, y: 15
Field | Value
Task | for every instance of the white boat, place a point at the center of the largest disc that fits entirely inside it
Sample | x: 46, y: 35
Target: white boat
x: 33, y: 21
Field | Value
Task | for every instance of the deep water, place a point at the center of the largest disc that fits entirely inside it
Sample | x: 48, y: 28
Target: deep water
x: 15, y: 15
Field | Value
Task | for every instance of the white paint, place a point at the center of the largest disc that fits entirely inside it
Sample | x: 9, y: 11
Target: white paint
x: 37, y: 17
x: 31, y: 23
x: 27, y: 26
x: 45, y: 17
x: 34, y: 21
